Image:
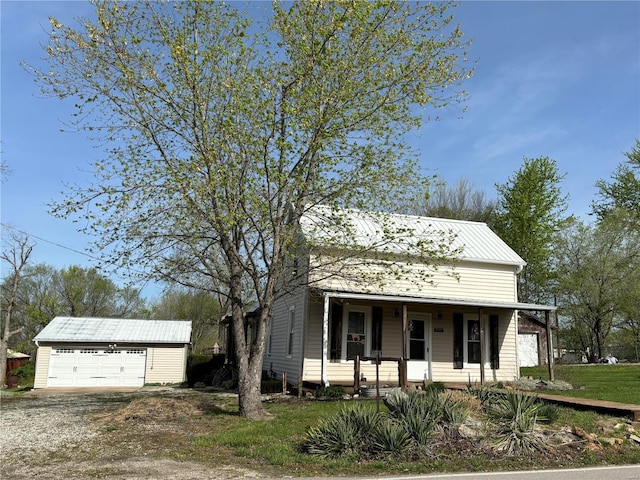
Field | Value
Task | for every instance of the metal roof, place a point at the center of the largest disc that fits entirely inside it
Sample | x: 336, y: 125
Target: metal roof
x: 89, y: 329
x: 476, y: 242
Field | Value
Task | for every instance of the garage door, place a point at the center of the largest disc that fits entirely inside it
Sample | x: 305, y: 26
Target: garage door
x: 94, y: 367
x: 528, y: 349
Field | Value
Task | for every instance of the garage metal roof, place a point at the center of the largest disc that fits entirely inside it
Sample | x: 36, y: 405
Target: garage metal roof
x: 124, y: 330
x: 398, y: 233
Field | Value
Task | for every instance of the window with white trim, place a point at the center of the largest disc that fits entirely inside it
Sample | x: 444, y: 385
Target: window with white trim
x: 466, y: 340
x: 291, y: 331
x: 473, y: 341
x: 357, y: 329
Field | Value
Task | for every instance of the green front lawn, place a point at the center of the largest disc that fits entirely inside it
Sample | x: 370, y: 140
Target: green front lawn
x: 615, y: 383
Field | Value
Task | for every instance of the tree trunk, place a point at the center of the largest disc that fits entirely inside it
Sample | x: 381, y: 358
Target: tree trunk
x: 3, y: 361
x: 249, y: 353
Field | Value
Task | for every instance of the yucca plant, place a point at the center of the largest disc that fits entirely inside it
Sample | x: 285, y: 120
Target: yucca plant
x: 485, y: 394
x: 453, y: 411
x: 349, y: 432
x: 514, y: 406
x: 420, y: 426
x: 392, y: 439
x: 548, y: 413
x: 516, y: 415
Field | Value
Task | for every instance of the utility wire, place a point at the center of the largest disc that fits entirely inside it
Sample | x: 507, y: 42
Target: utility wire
x: 50, y: 242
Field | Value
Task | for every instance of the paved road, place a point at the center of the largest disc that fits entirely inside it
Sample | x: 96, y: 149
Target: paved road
x: 630, y: 472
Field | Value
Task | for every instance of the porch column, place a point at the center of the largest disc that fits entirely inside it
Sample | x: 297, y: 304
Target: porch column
x: 325, y: 342
x: 482, y: 349
x: 547, y: 317
x: 403, y: 364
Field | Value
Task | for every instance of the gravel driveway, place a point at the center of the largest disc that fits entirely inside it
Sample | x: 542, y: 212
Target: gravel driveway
x: 48, y: 435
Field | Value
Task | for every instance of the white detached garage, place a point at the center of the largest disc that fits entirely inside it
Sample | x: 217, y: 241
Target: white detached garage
x: 111, y: 352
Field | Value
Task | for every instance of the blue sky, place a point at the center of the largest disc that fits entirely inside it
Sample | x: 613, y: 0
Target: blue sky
x: 552, y: 79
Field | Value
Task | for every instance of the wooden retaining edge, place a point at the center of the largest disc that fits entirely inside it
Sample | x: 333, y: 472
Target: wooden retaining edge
x: 625, y: 409
x: 602, y: 406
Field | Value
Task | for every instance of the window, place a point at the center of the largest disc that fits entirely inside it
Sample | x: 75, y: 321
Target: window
x: 473, y: 341
x: 270, y: 339
x: 417, y: 340
x: 494, y: 341
x: 335, y: 333
x: 466, y: 340
x: 291, y: 329
x: 356, y: 332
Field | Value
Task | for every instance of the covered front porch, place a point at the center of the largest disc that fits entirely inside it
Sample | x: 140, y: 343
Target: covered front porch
x: 362, y: 339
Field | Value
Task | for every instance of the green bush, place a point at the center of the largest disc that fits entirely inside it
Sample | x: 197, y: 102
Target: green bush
x: 485, y: 394
x: 454, y: 412
x: 25, y: 373
x: 332, y: 391
x: 435, y: 387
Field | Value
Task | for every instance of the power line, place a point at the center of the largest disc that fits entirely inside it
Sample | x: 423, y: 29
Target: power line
x: 50, y: 242
x: 146, y: 282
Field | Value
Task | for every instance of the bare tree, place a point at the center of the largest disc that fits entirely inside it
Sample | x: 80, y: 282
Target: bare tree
x: 18, y: 250
x: 460, y: 201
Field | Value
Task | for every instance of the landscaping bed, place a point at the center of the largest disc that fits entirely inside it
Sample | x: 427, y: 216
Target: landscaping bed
x: 161, y: 432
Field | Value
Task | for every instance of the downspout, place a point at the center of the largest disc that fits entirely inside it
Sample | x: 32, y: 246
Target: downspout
x: 325, y: 341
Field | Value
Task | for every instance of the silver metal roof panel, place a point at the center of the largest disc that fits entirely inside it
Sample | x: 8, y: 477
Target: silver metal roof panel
x: 90, y: 329
x: 324, y: 225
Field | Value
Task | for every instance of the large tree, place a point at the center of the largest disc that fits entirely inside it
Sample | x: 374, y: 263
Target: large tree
x: 597, y: 268
x: 530, y: 211
x: 15, y: 253
x: 623, y: 191
x: 191, y: 304
x: 224, y: 130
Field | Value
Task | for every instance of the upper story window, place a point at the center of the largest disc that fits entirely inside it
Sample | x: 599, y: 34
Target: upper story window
x: 291, y: 331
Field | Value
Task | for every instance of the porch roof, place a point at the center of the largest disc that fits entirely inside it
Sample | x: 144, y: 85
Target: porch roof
x: 463, y: 302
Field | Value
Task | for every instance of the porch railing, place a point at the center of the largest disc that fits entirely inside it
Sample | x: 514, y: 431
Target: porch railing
x: 402, y: 371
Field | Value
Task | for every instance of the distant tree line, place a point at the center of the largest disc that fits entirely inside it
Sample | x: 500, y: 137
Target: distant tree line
x: 44, y: 292
x: 591, y: 271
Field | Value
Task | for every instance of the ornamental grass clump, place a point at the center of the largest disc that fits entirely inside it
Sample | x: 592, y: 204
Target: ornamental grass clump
x: 515, y: 415
x: 348, y: 433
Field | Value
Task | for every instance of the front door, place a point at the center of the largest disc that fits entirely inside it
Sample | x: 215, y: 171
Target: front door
x: 418, y: 347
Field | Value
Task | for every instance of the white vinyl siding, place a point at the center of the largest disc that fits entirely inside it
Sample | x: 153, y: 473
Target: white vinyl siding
x: 43, y: 358
x: 472, y: 281
x: 166, y: 364
x: 279, y: 360
x: 341, y: 372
